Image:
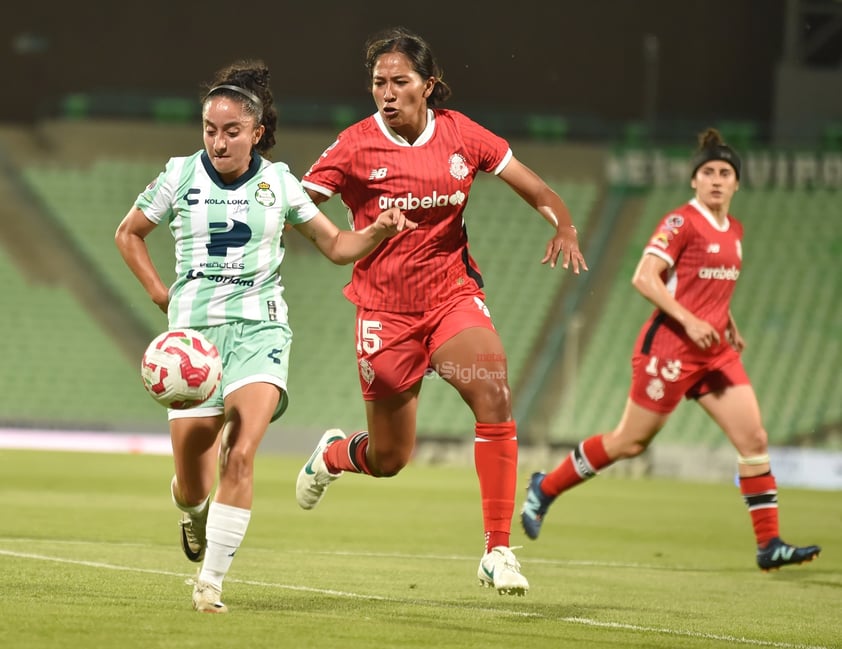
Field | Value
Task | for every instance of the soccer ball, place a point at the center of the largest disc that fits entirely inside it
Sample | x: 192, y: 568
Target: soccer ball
x: 181, y: 369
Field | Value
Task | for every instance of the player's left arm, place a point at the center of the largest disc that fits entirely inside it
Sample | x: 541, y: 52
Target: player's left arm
x: 346, y: 246
x: 532, y: 188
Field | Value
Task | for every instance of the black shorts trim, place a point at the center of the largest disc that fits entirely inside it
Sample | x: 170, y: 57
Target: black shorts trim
x: 650, y: 333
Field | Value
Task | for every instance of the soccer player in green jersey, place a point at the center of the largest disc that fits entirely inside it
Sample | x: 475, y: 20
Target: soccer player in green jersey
x: 227, y: 206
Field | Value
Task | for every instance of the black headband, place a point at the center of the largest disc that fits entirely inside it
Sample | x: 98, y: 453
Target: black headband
x: 246, y: 93
x: 721, y: 152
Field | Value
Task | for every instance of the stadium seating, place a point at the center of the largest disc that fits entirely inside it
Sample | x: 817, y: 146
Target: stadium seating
x: 89, y: 203
x: 323, y: 382
x: 58, y: 369
x: 788, y: 305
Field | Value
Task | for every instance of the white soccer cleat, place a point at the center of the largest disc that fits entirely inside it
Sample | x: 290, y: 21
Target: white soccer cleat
x: 500, y: 569
x: 314, y: 478
x: 206, y: 598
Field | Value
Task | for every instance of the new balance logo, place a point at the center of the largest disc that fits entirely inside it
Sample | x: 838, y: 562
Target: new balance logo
x: 783, y: 553
x: 377, y: 174
x: 714, y: 248
x: 533, y: 505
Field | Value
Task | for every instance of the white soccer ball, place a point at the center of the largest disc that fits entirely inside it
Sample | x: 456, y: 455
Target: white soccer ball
x: 181, y: 369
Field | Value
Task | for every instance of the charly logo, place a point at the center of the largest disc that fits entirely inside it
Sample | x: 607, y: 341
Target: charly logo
x: 458, y: 166
x: 264, y: 195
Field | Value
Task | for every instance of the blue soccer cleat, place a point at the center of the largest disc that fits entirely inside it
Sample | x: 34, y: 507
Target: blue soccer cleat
x: 777, y: 553
x: 535, y: 507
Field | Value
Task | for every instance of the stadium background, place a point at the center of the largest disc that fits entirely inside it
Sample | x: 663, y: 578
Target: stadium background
x: 602, y: 98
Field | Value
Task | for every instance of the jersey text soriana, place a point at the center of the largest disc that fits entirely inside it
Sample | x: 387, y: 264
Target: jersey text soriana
x: 705, y: 260
x: 373, y: 168
x: 228, y: 238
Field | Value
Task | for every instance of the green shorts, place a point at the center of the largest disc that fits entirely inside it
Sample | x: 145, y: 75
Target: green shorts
x: 251, y: 352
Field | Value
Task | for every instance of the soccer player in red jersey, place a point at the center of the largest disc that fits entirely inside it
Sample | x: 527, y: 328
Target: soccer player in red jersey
x: 689, y: 347
x: 419, y: 298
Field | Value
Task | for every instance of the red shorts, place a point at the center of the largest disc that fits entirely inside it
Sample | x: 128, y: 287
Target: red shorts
x: 394, y: 349
x: 659, y: 384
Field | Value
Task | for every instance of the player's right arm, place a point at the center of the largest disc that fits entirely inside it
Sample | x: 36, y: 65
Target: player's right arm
x: 131, y: 242
x: 316, y: 197
x: 732, y: 334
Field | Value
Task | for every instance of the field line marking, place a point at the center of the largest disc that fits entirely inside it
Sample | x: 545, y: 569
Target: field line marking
x: 396, y: 600
x: 374, y: 555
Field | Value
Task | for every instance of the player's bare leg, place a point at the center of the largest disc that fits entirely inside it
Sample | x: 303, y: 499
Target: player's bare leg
x: 195, y: 443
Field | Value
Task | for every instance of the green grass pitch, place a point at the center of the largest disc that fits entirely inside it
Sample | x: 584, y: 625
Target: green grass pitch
x: 89, y: 557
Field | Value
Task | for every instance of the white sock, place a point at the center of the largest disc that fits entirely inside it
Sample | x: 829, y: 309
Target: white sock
x: 196, y: 511
x: 225, y: 531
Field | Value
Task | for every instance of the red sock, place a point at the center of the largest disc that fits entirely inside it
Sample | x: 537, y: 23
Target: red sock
x: 760, y: 494
x: 348, y: 454
x: 583, y: 463
x: 495, y: 456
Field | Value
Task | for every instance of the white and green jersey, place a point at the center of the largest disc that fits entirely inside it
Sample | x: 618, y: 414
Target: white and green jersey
x: 228, y: 238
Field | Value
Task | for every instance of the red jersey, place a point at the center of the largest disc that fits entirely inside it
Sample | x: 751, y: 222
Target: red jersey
x: 373, y: 168
x: 704, y: 260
